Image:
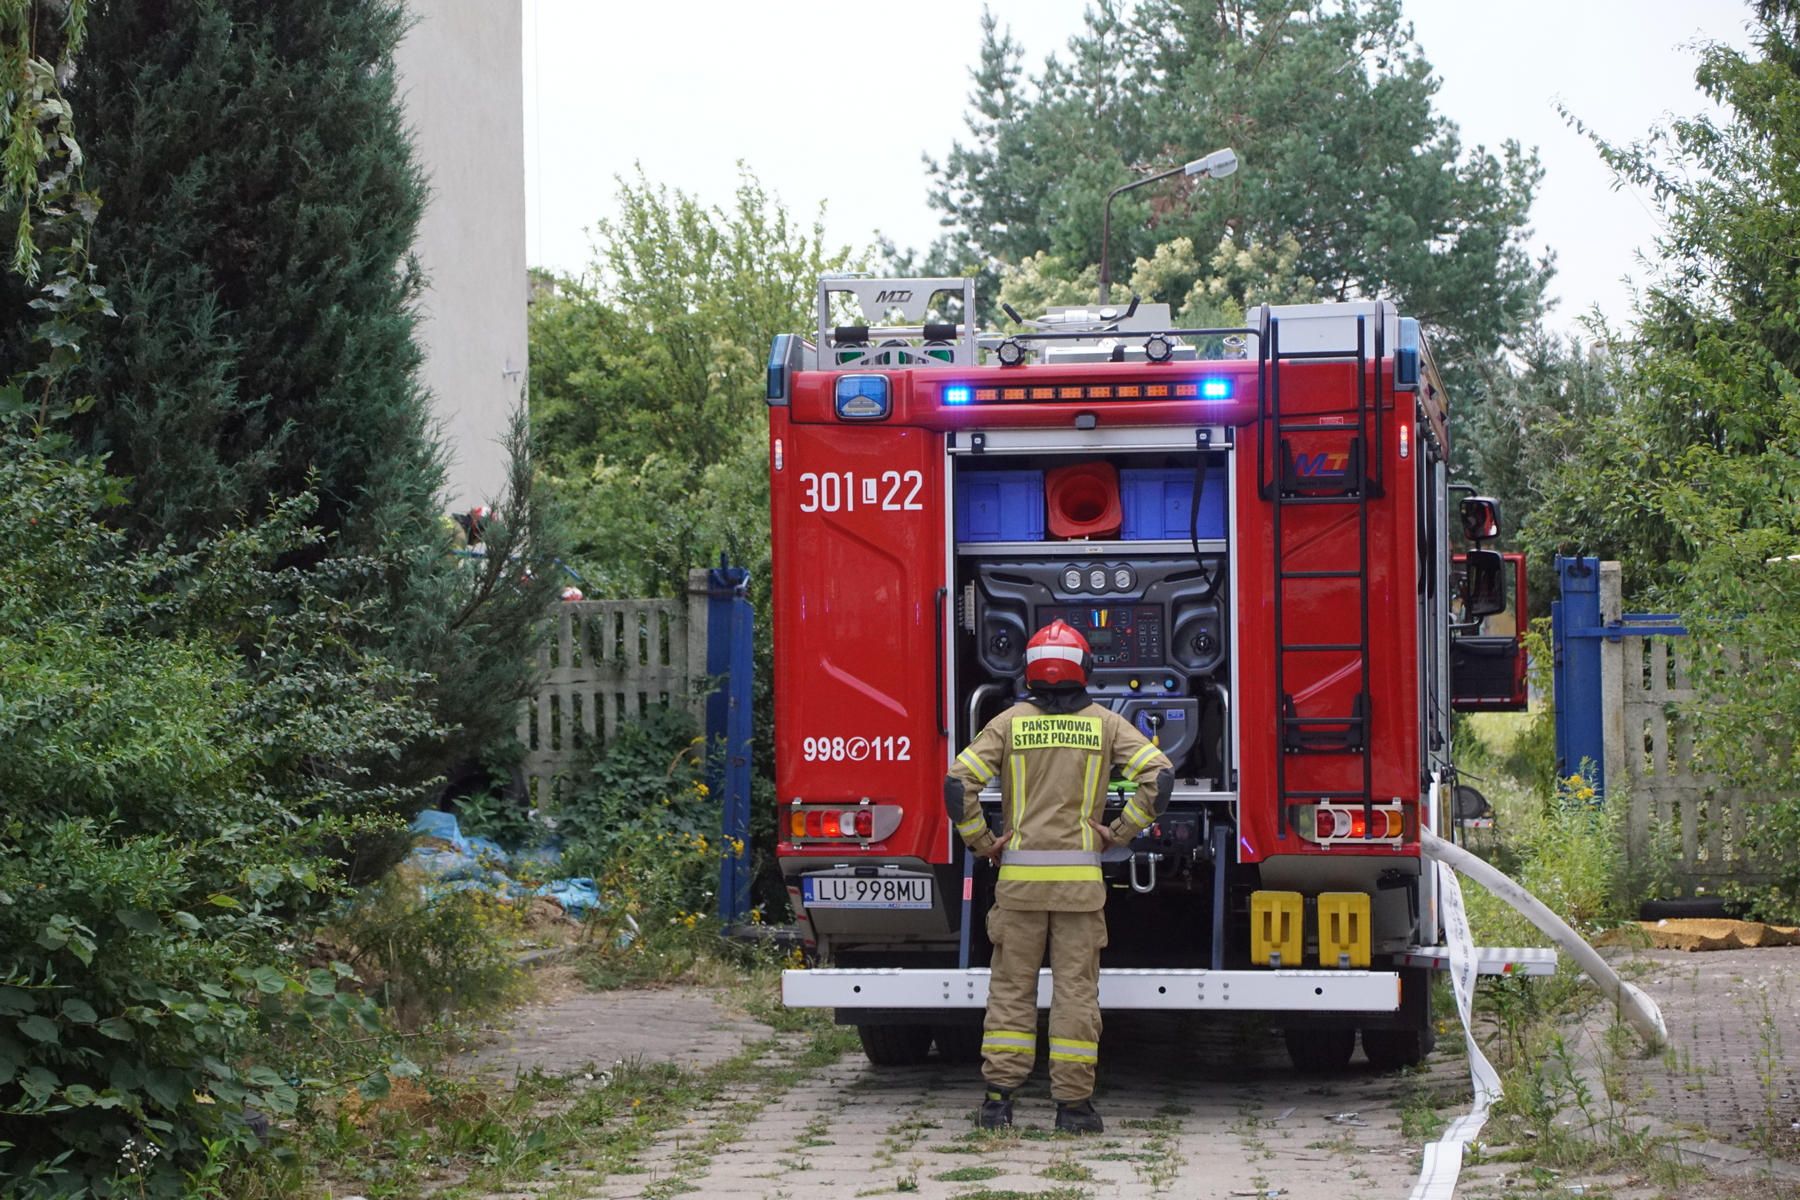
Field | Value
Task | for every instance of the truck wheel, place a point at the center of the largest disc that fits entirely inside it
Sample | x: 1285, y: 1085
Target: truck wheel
x: 895, y: 1045
x: 1320, y: 1051
x: 958, y: 1043
x: 1391, y: 1049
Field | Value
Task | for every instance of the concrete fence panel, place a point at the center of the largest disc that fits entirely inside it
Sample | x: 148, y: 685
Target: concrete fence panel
x: 610, y: 661
x: 1683, y: 826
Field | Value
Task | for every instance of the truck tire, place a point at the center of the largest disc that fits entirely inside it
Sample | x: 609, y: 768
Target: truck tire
x: 895, y: 1045
x: 1320, y: 1051
x: 958, y: 1043
x: 1391, y: 1049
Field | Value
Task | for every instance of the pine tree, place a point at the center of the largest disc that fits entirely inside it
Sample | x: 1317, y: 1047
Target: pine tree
x: 1329, y: 106
x: 261, y: 201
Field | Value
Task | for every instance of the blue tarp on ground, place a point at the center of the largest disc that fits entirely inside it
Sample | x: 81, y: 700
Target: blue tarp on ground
x: 479, y: 862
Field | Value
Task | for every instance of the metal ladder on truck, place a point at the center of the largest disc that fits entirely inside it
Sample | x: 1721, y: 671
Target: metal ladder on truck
x: 1333, y: 734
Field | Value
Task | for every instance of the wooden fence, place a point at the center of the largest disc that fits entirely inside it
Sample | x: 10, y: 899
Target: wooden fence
x: 1682, y: 826
x: 611, y: 661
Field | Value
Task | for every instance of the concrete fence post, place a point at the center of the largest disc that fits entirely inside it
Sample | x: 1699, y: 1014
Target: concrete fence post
x: 1612, y: 685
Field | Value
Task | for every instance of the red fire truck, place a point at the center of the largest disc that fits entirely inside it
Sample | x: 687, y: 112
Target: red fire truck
x: 1249, y: 526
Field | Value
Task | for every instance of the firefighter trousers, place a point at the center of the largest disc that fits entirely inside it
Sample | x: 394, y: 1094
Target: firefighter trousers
x: 1009, y: 1036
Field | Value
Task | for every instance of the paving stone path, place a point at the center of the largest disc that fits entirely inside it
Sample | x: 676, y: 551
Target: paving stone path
x: 1733, y: 1065
x: 682, y: 1025
x: 1195, y: 1107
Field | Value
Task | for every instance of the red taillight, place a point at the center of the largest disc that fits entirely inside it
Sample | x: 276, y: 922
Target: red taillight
x: 864, y: 823
x: 1350, y: 824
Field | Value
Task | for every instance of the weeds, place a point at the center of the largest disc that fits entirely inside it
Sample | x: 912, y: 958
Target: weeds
x: 967, y: 1174
x: 422, y: 949
x: 1064, y: 1169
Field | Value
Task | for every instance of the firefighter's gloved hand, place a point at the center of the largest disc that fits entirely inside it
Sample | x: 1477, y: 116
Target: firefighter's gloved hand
x: 1165, y: 787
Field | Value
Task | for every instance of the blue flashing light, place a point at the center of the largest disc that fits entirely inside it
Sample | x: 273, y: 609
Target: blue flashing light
x: 1215, y: 389
x: 958, y: 395
x: 862, y: 397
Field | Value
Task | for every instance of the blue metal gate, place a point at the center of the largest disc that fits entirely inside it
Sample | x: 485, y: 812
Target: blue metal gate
x: 1576, y: 628
x: 729, y: 658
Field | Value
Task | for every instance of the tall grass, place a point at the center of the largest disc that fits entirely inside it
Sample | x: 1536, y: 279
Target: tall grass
x: 1555, y: 836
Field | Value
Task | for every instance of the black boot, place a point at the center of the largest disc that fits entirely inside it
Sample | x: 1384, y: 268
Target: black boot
x: 1078, y: 1116
x: 996, y: 1109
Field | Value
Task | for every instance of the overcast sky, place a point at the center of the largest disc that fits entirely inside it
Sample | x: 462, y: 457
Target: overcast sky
x: 687, y: 88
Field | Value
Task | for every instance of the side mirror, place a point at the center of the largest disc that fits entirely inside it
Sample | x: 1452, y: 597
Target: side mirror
x: 1480, y: 518
x: 1467, y: 803
x: 1484, y: 583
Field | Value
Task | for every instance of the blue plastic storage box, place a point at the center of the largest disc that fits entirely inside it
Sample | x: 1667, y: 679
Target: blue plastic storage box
x: 1155, y: 503
x: 1000, y: 506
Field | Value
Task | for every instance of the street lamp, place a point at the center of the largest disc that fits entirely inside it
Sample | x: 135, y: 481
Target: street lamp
x: 1216, y: 165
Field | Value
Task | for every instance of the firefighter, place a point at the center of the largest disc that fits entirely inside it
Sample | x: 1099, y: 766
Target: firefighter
x: 1053, y: 755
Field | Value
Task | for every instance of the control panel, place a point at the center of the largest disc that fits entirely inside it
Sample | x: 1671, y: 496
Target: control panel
x: 1120, y: 635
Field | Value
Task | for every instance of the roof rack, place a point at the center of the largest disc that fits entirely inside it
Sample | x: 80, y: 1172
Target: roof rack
x: 914, y: 342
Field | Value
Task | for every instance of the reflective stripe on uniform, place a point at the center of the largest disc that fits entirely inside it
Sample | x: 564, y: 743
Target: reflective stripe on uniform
x: 1009, y: 1041
x: 1089, y: 789
x: 1018, y: 797
x: 1071, y: 874
x: 1052, y: 858
x: 976, y: 767
x: 1069, y: 1050
x: 1137, y: 761
x: 1135, y: 813
x: 972, y: 826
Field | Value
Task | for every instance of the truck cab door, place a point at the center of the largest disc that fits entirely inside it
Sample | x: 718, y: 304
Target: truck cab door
x: 1487, y: 654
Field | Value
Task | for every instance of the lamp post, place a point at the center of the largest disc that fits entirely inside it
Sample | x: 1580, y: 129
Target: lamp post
x: 1216, y: 165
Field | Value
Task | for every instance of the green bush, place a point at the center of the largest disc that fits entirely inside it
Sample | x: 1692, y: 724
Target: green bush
x: 182, y: 737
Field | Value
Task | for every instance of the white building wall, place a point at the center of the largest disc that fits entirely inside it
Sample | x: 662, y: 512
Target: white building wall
x: 462, y: 79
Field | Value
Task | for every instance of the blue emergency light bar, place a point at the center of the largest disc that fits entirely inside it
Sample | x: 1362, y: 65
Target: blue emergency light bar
x: 1028, y: 393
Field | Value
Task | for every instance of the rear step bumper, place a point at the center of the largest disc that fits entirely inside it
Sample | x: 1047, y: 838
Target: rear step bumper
x: 895, y: 987
x: 1490, y: 960
x: 1264, y: 991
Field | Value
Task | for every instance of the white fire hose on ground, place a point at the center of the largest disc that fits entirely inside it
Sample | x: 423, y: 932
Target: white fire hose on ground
x: 1441, y: 1163
x: 1639, y: 1010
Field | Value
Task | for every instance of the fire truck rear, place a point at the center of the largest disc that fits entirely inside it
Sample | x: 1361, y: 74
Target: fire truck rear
x: 1250, y: 528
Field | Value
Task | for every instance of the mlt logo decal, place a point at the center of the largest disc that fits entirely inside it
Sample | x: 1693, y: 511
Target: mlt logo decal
x: 1321, y: 466
x: 893, y: 297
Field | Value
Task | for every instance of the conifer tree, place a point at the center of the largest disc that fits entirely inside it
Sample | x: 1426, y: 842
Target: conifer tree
x: 261, y: 201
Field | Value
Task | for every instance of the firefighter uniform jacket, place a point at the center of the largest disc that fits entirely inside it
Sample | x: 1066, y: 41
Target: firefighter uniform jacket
x: 1053, y: 771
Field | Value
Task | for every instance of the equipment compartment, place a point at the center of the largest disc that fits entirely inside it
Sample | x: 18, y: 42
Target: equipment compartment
x: 1000, y: 506
x: 1158, y: 504
x: 1152, y: 608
